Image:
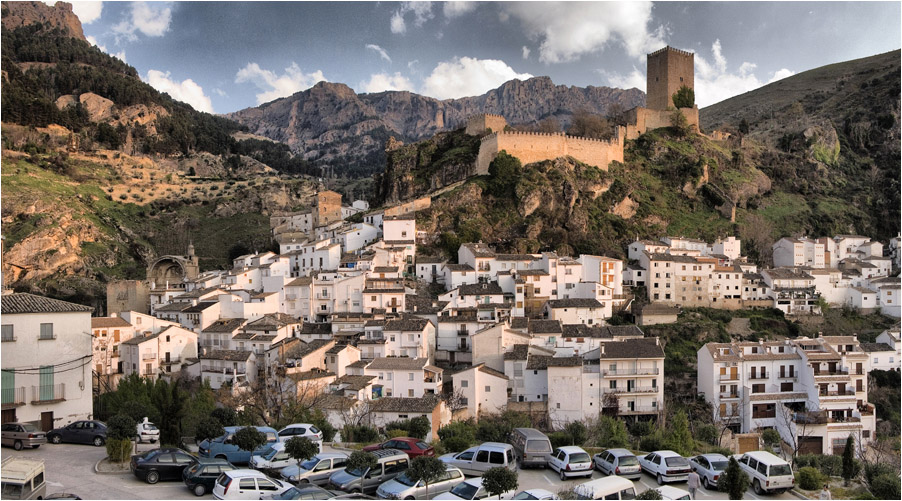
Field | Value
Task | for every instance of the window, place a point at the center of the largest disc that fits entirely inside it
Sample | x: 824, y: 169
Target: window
x: 46, y: 331
x: 464, y: 383
x: 410, y: 376
x: 8, y: 333
x: 410, y: 392
x: 488, y: 389
x: 613, y: 385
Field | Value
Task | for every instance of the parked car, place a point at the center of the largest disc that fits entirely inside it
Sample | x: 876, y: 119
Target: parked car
x: 161, y: 464
x: 472, y: 489
x: 315, y: 470
x: 20, y: 435
x: 477, y: 460
x: 620, y: 462
x: 673, y: 493
x: 303, y: 492
x: 389, y: 464
x: 22, y: 478
x: 413, y: 447
x: 247, y: 484
x: 571, y: 461
x: 665, y: 466
x: 535, y: 494
x: 531, y: 447
x: 301, y: 430
x: 202, y: 475
x: 606, y: 488
x: 79, y: 432
x: 222, y: 446
x: 272, y: 458
x: 709, y: 467
x: 403, y: 487
x: 147, y: 432
x: 768, y: 473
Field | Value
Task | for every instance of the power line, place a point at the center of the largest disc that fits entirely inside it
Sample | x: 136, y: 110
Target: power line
x: 31, y: 370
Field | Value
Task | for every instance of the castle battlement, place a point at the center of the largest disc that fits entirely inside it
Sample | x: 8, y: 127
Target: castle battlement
x: 672, y: 49
x: 487, y: 115
x: 494, y: 135
x: 478, y: 124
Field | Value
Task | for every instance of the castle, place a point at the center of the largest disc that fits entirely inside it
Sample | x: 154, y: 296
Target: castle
x: 668, y: 69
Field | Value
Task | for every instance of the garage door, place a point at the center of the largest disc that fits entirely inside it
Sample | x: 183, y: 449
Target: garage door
x: 748, y: 443
x: 811, y: 445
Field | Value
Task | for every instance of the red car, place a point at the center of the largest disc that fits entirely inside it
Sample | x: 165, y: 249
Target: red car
x: 412, y: 446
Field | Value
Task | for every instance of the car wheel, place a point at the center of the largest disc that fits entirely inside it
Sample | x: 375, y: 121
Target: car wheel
x: 220, y: 456
x: 98, y: 441
x: 152, y: 477
x: 17, y: 445
x: 563, y: 475
x: 56, y: 439
x: 660, y: 479
x: 200, y: 490
x: 705, y: 483
x: 303, y: 481
x: 410, y: 497
x: 758, y: 490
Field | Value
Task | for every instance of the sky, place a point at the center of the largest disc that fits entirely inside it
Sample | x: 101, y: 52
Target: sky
x: 226, y: 56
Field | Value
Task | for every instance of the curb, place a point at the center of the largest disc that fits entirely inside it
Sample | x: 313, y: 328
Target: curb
x: 798, y: 494
x: 97, y: 469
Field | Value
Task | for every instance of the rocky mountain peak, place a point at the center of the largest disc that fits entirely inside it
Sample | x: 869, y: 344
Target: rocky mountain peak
x: 16, y: 14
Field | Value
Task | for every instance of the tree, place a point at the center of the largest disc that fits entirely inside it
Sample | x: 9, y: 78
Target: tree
x: 249, y: 438
x: 735, y: 481
x: 612, y: 433
x: 848, y: 460
x: 679, y: 123
x: 684, y: 97
x: 577, y: 431
x: 121, y: 427
x: 586, y: 124
x: 361, y: 461
x: 679, y: 438
x: 208, y: 428
x: 744, y: 127
x: 426, y: 468
x: 505, y: 173
x: 170, y: 400
x: 225, y: 415
x: 770, y: 437
x: 548, y: 125
x: 499, y: 480
x: 650, y: 494
x: 300, y: 448
x: 419, y: 427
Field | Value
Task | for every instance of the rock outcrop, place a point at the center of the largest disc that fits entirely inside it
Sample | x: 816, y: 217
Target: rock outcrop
x: 60, y: 16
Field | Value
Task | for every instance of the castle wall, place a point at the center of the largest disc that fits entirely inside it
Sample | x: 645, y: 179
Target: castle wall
x: 640, y: 120
x: 328, y: 208
x: 127, y: 295
x: 529, y: 147
x: 477, y: 124
x: 668, y: 69
x: 409, y: 207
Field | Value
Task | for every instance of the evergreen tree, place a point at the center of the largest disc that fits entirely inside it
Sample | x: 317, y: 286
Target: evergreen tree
x: 679, y: 438
x: 848, y: 460
x: 249, y: 439
x: 499, y: 480
x: 734, y: 481
x: 684, y: 97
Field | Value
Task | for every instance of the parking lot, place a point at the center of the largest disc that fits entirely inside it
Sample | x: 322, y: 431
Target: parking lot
x: 70, y: 468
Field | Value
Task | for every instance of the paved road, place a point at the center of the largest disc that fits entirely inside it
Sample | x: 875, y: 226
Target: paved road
x: 70, y: 468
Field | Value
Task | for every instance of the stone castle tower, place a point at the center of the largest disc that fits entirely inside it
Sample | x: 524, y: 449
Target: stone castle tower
x: 668, y: 69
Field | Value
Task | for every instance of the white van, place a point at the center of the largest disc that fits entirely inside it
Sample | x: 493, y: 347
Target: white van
x: 768, y: 473
x: 606, y: 488
x: 477, y: 460
x: 23, y: 478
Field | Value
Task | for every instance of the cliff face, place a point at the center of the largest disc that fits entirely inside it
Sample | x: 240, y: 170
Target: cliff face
x: 60, y: 16
x: 331, y: 124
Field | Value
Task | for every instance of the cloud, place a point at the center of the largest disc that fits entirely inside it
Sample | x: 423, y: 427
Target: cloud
x: 152, y: 21
x: 635, y: 79
x: 219, y: 92
x: 422, y: 12
x: 93, y: 41
x: 526, y: 52
x: 714, y: 83
x: 381, y: 82
x: 186, y: 91
x: 87, y: 12
x: 380, y: 50
x: 568, y: 30
x: 468, y: 77
x: 457, y: 9
x: 276, y: 86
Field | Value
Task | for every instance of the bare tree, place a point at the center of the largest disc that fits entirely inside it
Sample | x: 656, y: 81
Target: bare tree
x: 455, y: 400
x: 797, y: 423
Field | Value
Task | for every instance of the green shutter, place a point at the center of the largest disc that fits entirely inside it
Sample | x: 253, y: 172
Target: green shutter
x: 9, y: 387
x: 47, y: 383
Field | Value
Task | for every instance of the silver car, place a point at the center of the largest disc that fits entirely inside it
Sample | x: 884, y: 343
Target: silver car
x: 19, y: 435
x: 315, y: 470
x: 403, y: 487
x: 709, y: 467
x: 620, y: 462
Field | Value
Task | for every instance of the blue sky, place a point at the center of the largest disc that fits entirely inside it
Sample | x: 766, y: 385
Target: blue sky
x: 225, y: 56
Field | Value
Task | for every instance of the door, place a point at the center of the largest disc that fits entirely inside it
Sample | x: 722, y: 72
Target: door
x: 811, y: 445
x: 46, y: 381
x: 734, y: 373
x: 47, y: 421
x: 167, y: 357
x: 9, y: 416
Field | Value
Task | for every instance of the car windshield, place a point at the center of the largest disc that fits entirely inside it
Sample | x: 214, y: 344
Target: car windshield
x: 579, y: 457
x: 778, y: 470
x: 356, y: 472
x: 269, y: 453
x: 150, y: 454
x: 525, y: 495
x: 293, y: 493
x: 718, y: 465
x: 465, y: 490
x: 314, y: 429
x: 538, y: 446
x: 192, y: 469
x: 628, y: 461
x: 150, y: 427
x: 30, y: 427
x: 309, y: 464
x: 12, y: 491
x: 676, y: 461
x: 406, y: 480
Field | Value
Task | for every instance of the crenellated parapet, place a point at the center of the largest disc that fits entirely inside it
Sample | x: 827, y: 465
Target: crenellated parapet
x: 531, y: 147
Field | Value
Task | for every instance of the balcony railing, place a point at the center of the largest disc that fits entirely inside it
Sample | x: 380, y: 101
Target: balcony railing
x: 788, y: 376
x: 634, y: 389
x: 48, y: 393
x: 640, y: 371
x: 14, y: 396
x: 638, y: 410
x: 729, y: 377
x: 835, y: 372
x: 172, y: 360
x: 729, y: 395
x: 759, y: 376
x: 822, y: 418
x: 849, y: 392
x: 148, y: 356
x: 223, y: 370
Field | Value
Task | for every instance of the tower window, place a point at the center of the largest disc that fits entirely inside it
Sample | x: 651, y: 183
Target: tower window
x: 681, y: 79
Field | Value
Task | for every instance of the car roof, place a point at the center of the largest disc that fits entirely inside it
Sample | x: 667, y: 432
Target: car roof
x: 539, y: 493
x: 298, y: 425
x: 618, y: 483
x: 667, y: 454
x: 764, y: 456
x: 330, y: 455
x: 492, y: 445
x: 233, y: 429
x: 571, y: 448
x: 621, y: 452
x: 384, y: 453
x: 712, y: 456
x: 203, y: 460
x: 476, y: 481
x: 671, y: 491
x: 244, y: 472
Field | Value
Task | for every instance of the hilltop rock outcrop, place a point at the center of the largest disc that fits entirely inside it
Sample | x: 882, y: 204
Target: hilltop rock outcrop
x: 60, y: 16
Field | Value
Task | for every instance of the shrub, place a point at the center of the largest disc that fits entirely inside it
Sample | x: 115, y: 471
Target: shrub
x: 395, y: 433
x: 119, y: 449
x: 498, y: 480
x: 417, y: 427
x: 225, y: 415
x: 734, y: 481
x: 360, y: 433
x: 456, y: 443
x: 248, y: 438
x: 121, y: 427
x: 559, y: 439
x: 653, y: 442
x: 463, y: 430
x: 810, y: 479
x: 770, y: 437
x: 578, y: 432
x: 650, y: 494
x: 886, y: 486
x: 684, y: 97
x: 498, y: 428
x: 611, y: 432
x: 208, y: 428
x: 706, y: 433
